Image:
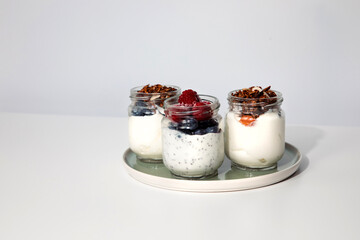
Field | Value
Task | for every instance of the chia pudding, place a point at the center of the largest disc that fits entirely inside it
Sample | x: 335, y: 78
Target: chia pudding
x: 193, y: 141
x: 145, y: 115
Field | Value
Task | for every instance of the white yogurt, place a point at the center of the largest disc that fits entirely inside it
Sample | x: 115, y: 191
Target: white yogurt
x: 192, y: 155
x: 145, y: 136
x: 257, y: 146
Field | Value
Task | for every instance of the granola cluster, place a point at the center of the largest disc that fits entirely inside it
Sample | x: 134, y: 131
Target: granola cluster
x: 257, y: 93
x: 254, y: 101
x: 157, y: 88
x: 163, y: 93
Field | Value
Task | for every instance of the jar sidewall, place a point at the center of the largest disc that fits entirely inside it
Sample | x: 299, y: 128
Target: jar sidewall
x: 172, y: 138
x: 237, y: 136
x: 172, y: 106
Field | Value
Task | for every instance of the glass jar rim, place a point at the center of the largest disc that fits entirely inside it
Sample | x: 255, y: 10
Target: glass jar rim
x: 171, y: 104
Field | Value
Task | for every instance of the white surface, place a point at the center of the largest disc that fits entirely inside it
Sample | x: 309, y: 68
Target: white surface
x: 61, y: 177
x: 82, y: 57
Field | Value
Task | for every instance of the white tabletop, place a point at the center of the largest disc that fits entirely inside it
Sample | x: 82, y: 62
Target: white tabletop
x: 61, y: 177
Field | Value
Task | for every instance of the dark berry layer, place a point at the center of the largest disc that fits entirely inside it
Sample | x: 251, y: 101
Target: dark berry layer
x: 192, y: 126
x: 141, y: 109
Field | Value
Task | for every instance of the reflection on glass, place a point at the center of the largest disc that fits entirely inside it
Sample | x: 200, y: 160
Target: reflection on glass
x: 237, y: 173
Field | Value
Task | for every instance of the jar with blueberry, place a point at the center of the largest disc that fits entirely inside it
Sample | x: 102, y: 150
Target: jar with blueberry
x: 145, y: 114
x: 193, y: 142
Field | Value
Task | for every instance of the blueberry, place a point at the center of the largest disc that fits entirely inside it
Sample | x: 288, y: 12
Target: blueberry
x: 141, y: 109
x: 140, y: 103
x: 208, y: 123
x: 136, y: 111
x: 213, y: 129
x: 191, y: 126
x: 200, y: 131
x: 148, y: 112
x: 207, y: 126
x: 173, y: 125
x: 187, y: 131
x: 189, y: 123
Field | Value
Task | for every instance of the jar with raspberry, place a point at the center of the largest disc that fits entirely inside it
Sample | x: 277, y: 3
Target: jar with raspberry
x: 193, y: 141
x: 145, y: 114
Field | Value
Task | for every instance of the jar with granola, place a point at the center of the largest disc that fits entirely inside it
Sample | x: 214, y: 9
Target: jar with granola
x: 193, y: 141
x: 255, y: 128
x: 145, y: 114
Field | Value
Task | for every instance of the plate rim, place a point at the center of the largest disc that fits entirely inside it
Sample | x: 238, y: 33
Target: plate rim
x: 227, y: 185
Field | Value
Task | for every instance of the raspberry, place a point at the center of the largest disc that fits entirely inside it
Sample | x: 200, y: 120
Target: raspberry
x: 175, y: 114
x: 189, y: 97
x: 202, y: 111
x: 191, y: 101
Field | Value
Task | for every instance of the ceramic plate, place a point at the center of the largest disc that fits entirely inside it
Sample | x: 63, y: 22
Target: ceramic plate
x: 228, y: 179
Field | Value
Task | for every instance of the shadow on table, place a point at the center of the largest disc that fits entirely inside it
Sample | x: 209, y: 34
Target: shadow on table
x: 305, y: 138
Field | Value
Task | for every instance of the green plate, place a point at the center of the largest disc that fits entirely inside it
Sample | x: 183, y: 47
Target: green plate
x: 228, y: 178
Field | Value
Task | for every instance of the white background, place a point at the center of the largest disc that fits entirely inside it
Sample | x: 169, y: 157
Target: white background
x: 82, y: 57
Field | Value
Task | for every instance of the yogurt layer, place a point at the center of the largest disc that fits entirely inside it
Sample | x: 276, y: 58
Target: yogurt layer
x: 257, y: 146
x: 192, y: 155
x: 145, y: 136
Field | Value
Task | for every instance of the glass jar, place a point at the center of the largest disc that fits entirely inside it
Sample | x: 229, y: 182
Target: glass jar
x: 145, y: 114
x: 193, y: 141
x: 255, y: 131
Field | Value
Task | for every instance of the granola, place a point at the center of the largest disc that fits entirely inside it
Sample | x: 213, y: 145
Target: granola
x: 253, y: 102
x: 152, y: 90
